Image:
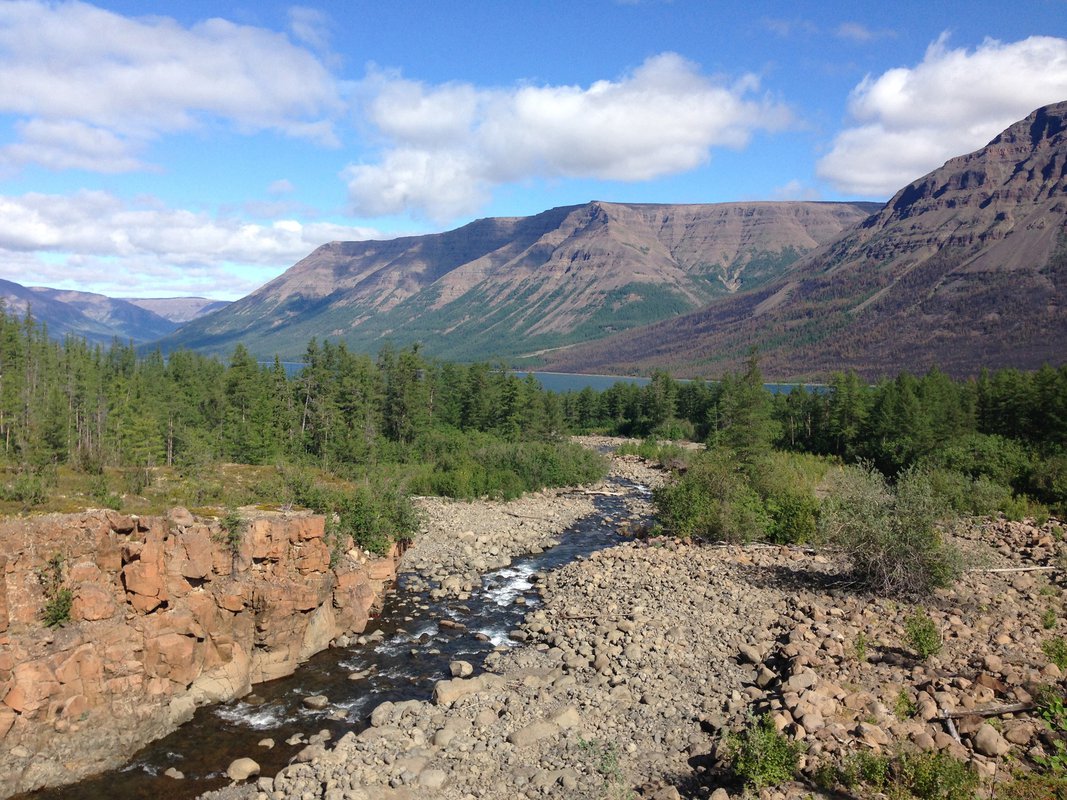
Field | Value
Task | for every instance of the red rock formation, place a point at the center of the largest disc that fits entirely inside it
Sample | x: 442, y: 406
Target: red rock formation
x: 166, y: 616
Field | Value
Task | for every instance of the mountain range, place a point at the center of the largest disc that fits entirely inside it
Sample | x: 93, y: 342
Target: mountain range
x: 100, y: 319
x: 513, y: 288
x: 964, y: 268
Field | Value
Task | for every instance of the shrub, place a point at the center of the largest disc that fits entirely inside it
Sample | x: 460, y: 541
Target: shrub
x: 59, y: 599
x: 889, y: 534
x: 27, y: 488
x: 794, y: 518
x: 233, y: 527
x: 712, y: 501
x: 1055, y: 650
x: 100, y: 492
x: 922, y: 634
x: 931, y: 776
x: 761, y: 756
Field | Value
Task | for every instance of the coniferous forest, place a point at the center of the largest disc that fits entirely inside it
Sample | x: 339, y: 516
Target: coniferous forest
x: 354, y: 435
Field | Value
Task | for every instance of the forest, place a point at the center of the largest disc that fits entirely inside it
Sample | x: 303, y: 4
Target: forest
x: 347, y: 434
x: 356, y: 436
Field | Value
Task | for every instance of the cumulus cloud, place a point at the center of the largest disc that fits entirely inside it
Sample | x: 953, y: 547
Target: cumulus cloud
x: 111, y: 83
x: 98, y: 241
x: 911, y: 120
x: 446, y: 147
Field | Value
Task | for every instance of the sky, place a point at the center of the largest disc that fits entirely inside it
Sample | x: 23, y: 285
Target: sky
x: 161, y: 148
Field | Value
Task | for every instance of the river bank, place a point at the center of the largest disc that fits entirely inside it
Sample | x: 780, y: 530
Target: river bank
x: 645, y: 655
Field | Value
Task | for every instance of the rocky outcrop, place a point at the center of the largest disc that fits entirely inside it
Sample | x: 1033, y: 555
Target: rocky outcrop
x: 166, y: 614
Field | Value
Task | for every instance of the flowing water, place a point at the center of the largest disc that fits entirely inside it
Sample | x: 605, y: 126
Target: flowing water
x: 407, y: 653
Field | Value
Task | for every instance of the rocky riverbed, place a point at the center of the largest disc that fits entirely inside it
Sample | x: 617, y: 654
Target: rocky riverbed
x: 644, y: 655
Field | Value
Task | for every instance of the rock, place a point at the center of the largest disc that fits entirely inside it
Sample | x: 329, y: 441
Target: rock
x: 749, y: 654
x: 316, y: 701
x: 988, y: 741
x: 267, y: 743
x: 433, y: 779
x: 460, y: 669
x: 534, y: 732
x: 242, y: 769
x: 176, y: 774
x: 446, y: 693
x: 872, y: 734
x: 720, y: 794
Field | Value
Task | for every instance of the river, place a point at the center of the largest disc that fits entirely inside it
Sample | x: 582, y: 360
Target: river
x: 405, y: 652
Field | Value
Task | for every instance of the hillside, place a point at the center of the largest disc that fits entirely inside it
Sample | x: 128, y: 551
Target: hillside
x: 510, y: 287
x: 964, y: 268
x: 100, y: 319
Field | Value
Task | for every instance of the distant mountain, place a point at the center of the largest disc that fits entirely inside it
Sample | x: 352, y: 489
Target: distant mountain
x: 513, y: 287
x: 99, y: 318
x: 965, y: 268
x: 178, y: 309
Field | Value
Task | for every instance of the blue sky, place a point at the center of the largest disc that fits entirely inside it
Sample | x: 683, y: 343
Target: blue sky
x: 173, y: 148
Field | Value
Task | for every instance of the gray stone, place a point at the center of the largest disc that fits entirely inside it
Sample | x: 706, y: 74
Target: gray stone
x: 989, y: 742
x: 242, y: 769
x: 461, y: 669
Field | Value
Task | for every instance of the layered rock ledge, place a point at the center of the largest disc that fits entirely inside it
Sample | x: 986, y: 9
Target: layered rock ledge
x: 167, y: 613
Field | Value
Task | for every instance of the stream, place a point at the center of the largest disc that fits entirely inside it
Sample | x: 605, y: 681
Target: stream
x: 403, y: 654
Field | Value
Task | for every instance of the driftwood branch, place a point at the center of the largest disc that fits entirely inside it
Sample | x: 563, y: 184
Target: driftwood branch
x: 1014, y: 569
x: 994, y: 711
x: 950, y: 726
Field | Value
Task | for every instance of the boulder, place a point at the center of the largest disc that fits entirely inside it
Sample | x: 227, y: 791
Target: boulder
x: 988, y: 741
x: 242, y: 769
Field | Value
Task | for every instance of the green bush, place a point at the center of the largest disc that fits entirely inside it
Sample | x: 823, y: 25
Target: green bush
x: 1000, y: 460
x: 1055, y: 650
x: 932, y: 776
x: 965, y: 495
x: 889, y: 533
x: 761, y: 756
x: 794, y: 518
x: 922, y: 634
x: 713, y: 500
x: 58, y: 598
x: 27, y: 488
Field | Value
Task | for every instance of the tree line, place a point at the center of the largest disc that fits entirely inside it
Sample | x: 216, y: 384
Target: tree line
x: 1005, y: 429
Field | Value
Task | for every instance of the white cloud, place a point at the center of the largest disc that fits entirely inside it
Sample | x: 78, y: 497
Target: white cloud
x: 795, y: 190
x: 447, y: 146
x: 113, y: 83
x: 860, y: 33
x: 96, y: 241
x: 911, y: 120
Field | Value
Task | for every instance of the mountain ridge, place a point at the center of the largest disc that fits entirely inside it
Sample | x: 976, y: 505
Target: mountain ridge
x: 964, y: 268
x: 501, y: 287
x: 100, y: 319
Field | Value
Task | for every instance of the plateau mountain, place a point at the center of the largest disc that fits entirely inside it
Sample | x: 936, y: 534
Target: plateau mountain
x: 516, y: 287
x: 964, y: 269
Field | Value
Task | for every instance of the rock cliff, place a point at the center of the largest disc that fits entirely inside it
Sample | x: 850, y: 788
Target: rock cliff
x: 167, y: 613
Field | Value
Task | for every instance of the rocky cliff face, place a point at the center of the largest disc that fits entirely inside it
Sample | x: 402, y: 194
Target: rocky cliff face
x: 512, y: 286
x: 964, y: 268
x: 166, y: 616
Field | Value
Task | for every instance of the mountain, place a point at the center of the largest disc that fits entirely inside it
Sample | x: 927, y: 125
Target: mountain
x: 511, y: 287
x: 178, y: 309
x: 98, y: 318
x: 964, y: 268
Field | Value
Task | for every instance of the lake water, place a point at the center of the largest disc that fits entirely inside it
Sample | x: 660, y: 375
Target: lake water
x: 576, y: 381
